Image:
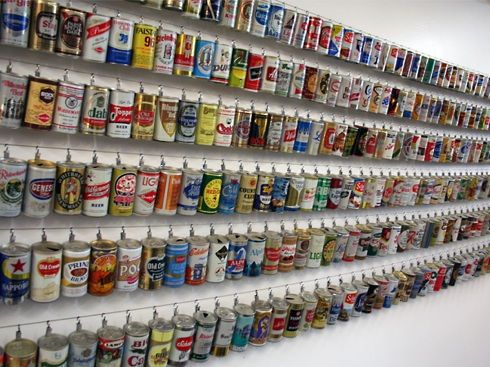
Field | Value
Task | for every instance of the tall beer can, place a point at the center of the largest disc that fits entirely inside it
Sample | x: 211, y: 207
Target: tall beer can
x: 189, y: 193
x: 206, y: 123
x: 269, y: 75
x: 186, y: 121
x: 298, y: 80
x: 96, y: 191
x: 241, y: 132
x: 164, y: 51
x: 184, y: 54
x: 229, y: 192
x: 335, y: 43
x: 245, y: 15
x: 13, y: 88
x: 68, y: 107
x: 192, y: 8
x: 222, y: 57
x: 300, y: 30
x: 146, y: 190
x: 289, y: 23
x: 274, y: 132
x: 143, y: 123
x: 203, y: 63
x: 14, y: 27
x: 96, y: 37
x: 119, y: 49
x: 229, y: 13
x: 216, y: 261
x: 275, y: 20
x: 95, y: 110
x: 40, y: 103
x: 260, y: 17
x: 313, y: 30
x: 44, y: 25
x: 238, y: 69
x: 225, y: 122
x: 121, y: 105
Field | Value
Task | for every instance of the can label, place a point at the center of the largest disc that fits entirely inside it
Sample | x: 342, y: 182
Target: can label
x: 204, y: 59
x: 135, y: 351
x: 68, y: 198
x: 210, y: 193
x: 75, y: 275
x: 229, y: 193
x: 123, y: 189
x: 110, y: 352
x: 96, y: 191
x: 279, y: 194
x: 184, y: 54
x: 95, y: 110
x: 221, y: 63
x: 186, y: 122
x: 71, y: 30
x: 224, y: 126
x: 13, y: 90
x: 216, y: 266
x: 238, y: 71
x: 14, y: 276
x: 168, y: 192
x: 46, y: 279
x: 146, y: 191
x: 120, y: 114
x: 197, y: 259
x: 263, y: 195
x: 68, y: 107
x: 128, y: 268
x: 97, y: 29
x: 254, y: 72
x: 189, y: 195
x: 165, y: 51
x: 235, y: 262
x: 40, y: 103
x: 120, y: 41
x: 206, y: 124
x: 15, y: 22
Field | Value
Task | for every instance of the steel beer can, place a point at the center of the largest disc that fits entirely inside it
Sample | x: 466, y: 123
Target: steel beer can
x: 255, y: 254
x: 260, y: 330
x: 160, y: 342
x: 121, y: 105
x: 192, y: 8
x: 184, y: 54
x: 238, y: 68
x: 52, y: 349
x: 203, y: 63
x: 294, y: 315
x: 44, y: 25
x: 203, y: 339
x: 119, y: 49
x: 135, y: 344
x: 229, y: 13
x: 187, y: 115
x: 71, y: 29
x: 197, y: 258
x: 147, y: 179
x: 152, y: 265
x: 143, y: 122
x: 165, y: 44
x: 229, y: 192
x: 95, y: 110
x: 40, y: 103
x: 225, y: 121
x: 222, y: 58
x: 12, y: 183
x: 39, y: 193
x: 206, y: 123
x: 110, y: 347
x: 260, y: 17
x: 68, y: 188
x: 13, y: 90
x: 166, y: 119
x: 168, y: 192
x: 68, y: 107
x: 14, y: 27
x: 217, y: 258
x: 123, y: 189
x: 103, y: 264
x: 15, y: 262
x: 83, y: 348
x: 189, y: 193
x: 46, y: 271
x: 96, y: 37
x: 76, y: 259
x: 288, y: 26
x: 224, y: 331
x: 210, y: 192
x: 128, y: 264
x: 175, y: 262
x: 275, y: 20
x: 237, y: 253
x: 97, y: 185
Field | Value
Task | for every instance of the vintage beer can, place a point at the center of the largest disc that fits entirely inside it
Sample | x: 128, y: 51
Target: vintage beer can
x: 226, y: 320
x: 315, y: 250
x: 243, y: 327
x: 260, y: 17
x: 203, y: 63
x: 165, y: 44
x: 103, y: 263
x: 12, y: 183
x: 298, y: 80
x: 255, y: 254
x: 335, y: 43
x: 308, y: 193
x: 273, y: 246
x: 263, y: 193
x: 175, y: 262
x: 68, y: 107
x: 166, y: 119
x: 119, y: 49
x: 40, y: 103
x: 313, y: 30
x: 300, y: 29
x: 229, y: 13
x: 350, y: 294
x: 128, y: 264
x: 20, y: 351
x: 13, y: 88
x: 278, y: 319
x: 347, y: 44
x: 284, y: 77
x: 189, y: 192
x: 52, y: 349
x: 211, y: 10
x: 83, y: 347
x: 222, y: 58
x: 39, y: 193
x: 96, y: 37
x: 192, y: 8
x: 295, y: 189
x: 335, y: 192
x: 288, y: 26
x: 294, y: 315
x: 275, y: 20
x: 71, y: 29
x: 143, y: 122
x: 288, y: 136
x: 259, y: 333
x: 288, y: 251
x: 302, y: 248
x: 321, y: 92
x: 123, y: 189
x: 216, y: 260
x: 322, y: 309
x: 310, y: 83
x: 237, y: 253
x: 269, y: 74
x: 15, y: 263
x: 321, y: 194
x: 177, y: 5
x: 46, y: 271
x: 279, y: 193
x: 44, y: 25
x: 376, y: 52
x: 229, y: 192
x: 203, y: 339
x: 210, y: 192
x: 206, y: 123
x: 187, y: 115
x: 225, y: 122
x: 184, y: 54
x: 160, y: 342
x: 147, y: 179
x: 143, y: 46
x: 121, y: 105
x: 302, y: 135
x: 68, y: 187
x: 135, y: 344
x: 76, y: 259
x: 259, y: 125
x: 152, y: 263
x: 366, y: 49
x: 325, y: 36
x: 14, y: 27
x: 337, y: 303
x: 110, y: 348
x: 238, y: 68
x: 95, y: 110
x: 96, y: 190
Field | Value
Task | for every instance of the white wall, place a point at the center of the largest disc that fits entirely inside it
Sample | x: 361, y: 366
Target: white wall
x: 421, y: 332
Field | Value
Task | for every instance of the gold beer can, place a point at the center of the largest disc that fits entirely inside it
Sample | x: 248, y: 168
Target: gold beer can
x: 68, y: 188
x: 246, y: 193
x: 143, y: 46
x: 143, y: 124
x: 123, y: 189
x: 44, y: 25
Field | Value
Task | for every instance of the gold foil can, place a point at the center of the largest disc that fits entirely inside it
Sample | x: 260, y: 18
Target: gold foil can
x: 68, y: 188
x: 44, y: 25
x: 40, y: 103
x: 143, y: 124
x: 246, y: 193
x: 322, y: 308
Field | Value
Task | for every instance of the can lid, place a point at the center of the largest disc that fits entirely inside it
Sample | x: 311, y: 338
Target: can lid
x: 176, y: 241
x: 99, y: 166
x: 237, y: 238
x: 217, y: 238
x: 272, y: 235
x: 225, y: 314
x: 42, y: 163
x: 335, y: 290
x: 103, y: 245
x: 110, y: 332
x: 279, y: 303
x: 13, y: 161
x: 198, y: 241
x: 359, y: 284
x: 316, y: 232
x: 340, y: 230
x: 47, y: 247
x: 380, y: 278
x: 256, y: 237
x: 126, y: 167
x: 294, y: 299
x: 83, y: 338
x: 183, y: 321
x: 262, y: 306
x: 348, y: 287
x: 71, y: 165
x: 408, y: 273
x: 129, y: 244
x: 153, y: 242
x: 391, y: 278
x: 149, y: 169
x: 19, y: 348
x: 205, y: 318
x: 136, y: 328
x: 76, y: 246
x: 399, y: 274
x: 15, y: 249
x: 353, y: 229
x: 161, y: 324
x: 243, y: 310
x: 309, y: 297
x: 52, y: 342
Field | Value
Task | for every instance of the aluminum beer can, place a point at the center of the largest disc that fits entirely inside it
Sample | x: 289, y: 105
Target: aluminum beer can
x: 168, y: 192
x: 143, y: 122
x: 229, y: 192
x: 316, y: 248
x: 313, y: 30
x: 40, y: 103
x: 275, y: 20
x: 225, y: 122
x: 68, y: 107
x: 152, y: 263
x: 321, y: 92
x: 289, y: 132
x: 314, y: 140
x: 355, y: 46
x: 255, y: 254
x: 238, y: 68
x: 121, y: 106
x: 260, y: 17
x: 52, y: 349
x: 166, y: 119
x: 44, y: 25
x: 123, y: 189
x: 14, y: 28
x: 308, y: 193
x: 325, y: 35
x: 96, y: 37
x: 175, y: 262
x: 310, y: 83
x: 103, y: 263
x: 95, y: 110
x: 119, y: 49
x: 259, y: 126
x: 147, y: 179
x: 110, y: 348
x: 12, y: 183
x: 279, y: 193
x: 274, y: 132
x: 39, y: 193
x: 273, y: 246
x: 13, y: 90
x: 83, y: 348
x: 184, y: 54
x: 216, y: 261
x: 294, y: 315
x: 376, y: 53
x: 46, y: 274
x: 68, y: 188
x: 300, y: 29
x: 337, y: 303
x: 302, y: 135
x: 237, y: 252
x: 367, y: 46
x: 160, y: 342
x: 186, y: 121
x: 269, y: 74
x: 206, y: 123
x: 165, y: 44
x: 203, y: 63
x: 321, y: 194
x: 260, y: 330
x: 97, y: 185
x: 220, y: 72
x: 71, y: 29
x: 203, y: 339
x: 288, y: 26
x: 76, y: 259
x: 15, y: 262
x: 210, y: 192
x: 243, y: 327
x: 295, y: 189
x: 135, y: 344
x: 334, y: 85
x: 229, y: 13
x: 189, y: 193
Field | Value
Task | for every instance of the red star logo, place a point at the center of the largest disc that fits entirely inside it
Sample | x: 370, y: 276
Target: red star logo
x: 18, y: 266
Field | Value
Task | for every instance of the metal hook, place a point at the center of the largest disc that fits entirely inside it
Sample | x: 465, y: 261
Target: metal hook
x: 123, y: 233
x: 230, y: 228
x: 44, y: 237
x: 148, y: 233
x: 170, y: 231
x: 191, y: 230
x: 71, y: 237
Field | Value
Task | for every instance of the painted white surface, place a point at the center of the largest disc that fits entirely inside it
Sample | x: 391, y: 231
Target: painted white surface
x: 421, y: 332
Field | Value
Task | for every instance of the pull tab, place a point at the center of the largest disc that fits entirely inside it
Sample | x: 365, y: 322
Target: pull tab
x: 191, y: 230
x: 68, y: 155
x: 148, y: 233
x: 123, y: 233
x: 71, y: 237
x: 211, y: 229
x: 170, y: 231
x: 44, y: 237
x: 99, y: 234
x: 249, y: 227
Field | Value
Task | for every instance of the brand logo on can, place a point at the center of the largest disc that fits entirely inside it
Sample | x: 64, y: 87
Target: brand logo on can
x: 49, y: 268
x: 46, y: 95
x: 42, y: 188
x: 184, y: 344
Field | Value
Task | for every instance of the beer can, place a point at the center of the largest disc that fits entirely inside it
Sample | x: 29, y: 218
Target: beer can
x: 237, y: 253
x: 83, y: 347
x: 325, y: 36
x: 263, y: 193
x: 221, y: 62
x: 95, y: 110
x: 260, y: 17
x: 376, y: 96
x: 177, y: 5
x: 337, y: 303
x: 165, y: 44
x: 147, y: 179
x: 328, y: 138
x: 15, y: 262
x: 350, y: 294
x: 119, y: 49
x: 110, y: 348
x: 302, y: 135
x: 315, y: 250
x: 210, y: 192
x: 288, y: 251
x: 335, y: 192
x: 390, y: 64
x: 203, y: 62
x: 52, y: 349
x: 313, y: 30
x: 321, y: 194
x: 121, y: 105
x: 40, y: 103
x: 344, y: 92
x: 340, y: 243
x: 335, y: 43
x: 216, y: 261
x: 166, y: 119
x: 275, y: 20
x: 206, y: 123
x: 229, y: 192
x: 189, y: 193
x: 225, y: 326
x: 76, y: 256
x: 296, y: 307
x: 152, y: 263
x: 355, y: 92
x: 211, y: 10
x: 71, y: 27
x: 278, y: 319
x: 300, y: 29
x: 14, y: 28
x: 255, y: 254
x: 203, y: 339
x: 302, y: 248
x: 258, y: 129
x: 238, y: 68
x: 243, y: 327
x: 103, y: 263
x: 12, y: 183
x: 269, y: 75
x: 168, y: 191
x: 295, y: 189
x: 68, y: 187
x: 310, y: 83
x: 321, y: 92
x: 259, y: 333
x: 143, y: 46
x: 241, y: 132
x: 143, y: 122
x: 184, y: 54
x: 352, y: 44
x: 40, y: 183
x: 308, y: 193
x: 376, y: 52
x: 192, y: 8
x: 229, y: 13
x: 273, y: 246
x: 298, y: 80
x: 362, y: 290
x: 135, y: 344
x: 279, y: 193
x: 68, y: 107
x: 160, y: 341
x: 96, y: 37
x: 288, y: 136
x: 366, y: 49
x: 46, y: 275
x: 13, y: 89
x: 197, y: 259
x: 123, y: 190
x: 128, y: 264
x: 288, y: 26
x: 187, y: 115
x: 255, y: 70
x: 348, y: 39
x: 225, y: 122
x: 44, y: 25
x: 274, y: 132
x: 175, y: 262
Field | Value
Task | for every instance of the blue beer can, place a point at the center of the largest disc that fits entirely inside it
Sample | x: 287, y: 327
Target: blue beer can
x: 417, y: 283
x: 237, y: 253
x: 255, y: 254
x: 119, y: 49
x: 260, y: 17
x: 14, y: 23
x: 211, y: 10
x: 414, y: 68
x: 15, y: 272
x: 243, y: 327
x: 203, y: 63
x: 274, y: 23
x: 437, y: 149
x: 175, y: 262
x: 229, y: 192
x: 392, y: 290
x: 279, y: 193
x: 302, y: 136
x: 186, y: 121
x: 367, y: 46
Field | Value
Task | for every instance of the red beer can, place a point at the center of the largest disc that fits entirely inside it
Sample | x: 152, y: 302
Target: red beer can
x: 254, y: 72
x: 313, y: 33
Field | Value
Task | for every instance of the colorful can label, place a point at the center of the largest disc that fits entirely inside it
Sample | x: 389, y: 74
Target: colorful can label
x: 96, y: 37
x: 13, y: 90
x: 68, y: 107
x: 203, y: 63
x: 119, y: 49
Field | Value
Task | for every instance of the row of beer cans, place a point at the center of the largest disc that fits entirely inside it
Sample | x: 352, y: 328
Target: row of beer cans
x: 38, y: 186
x: 304, y: 30
x: 161, y: 342
x: 47, y: 269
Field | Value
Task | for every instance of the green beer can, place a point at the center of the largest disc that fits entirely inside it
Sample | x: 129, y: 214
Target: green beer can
x: 210, y: 192
x: 321, y: 196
